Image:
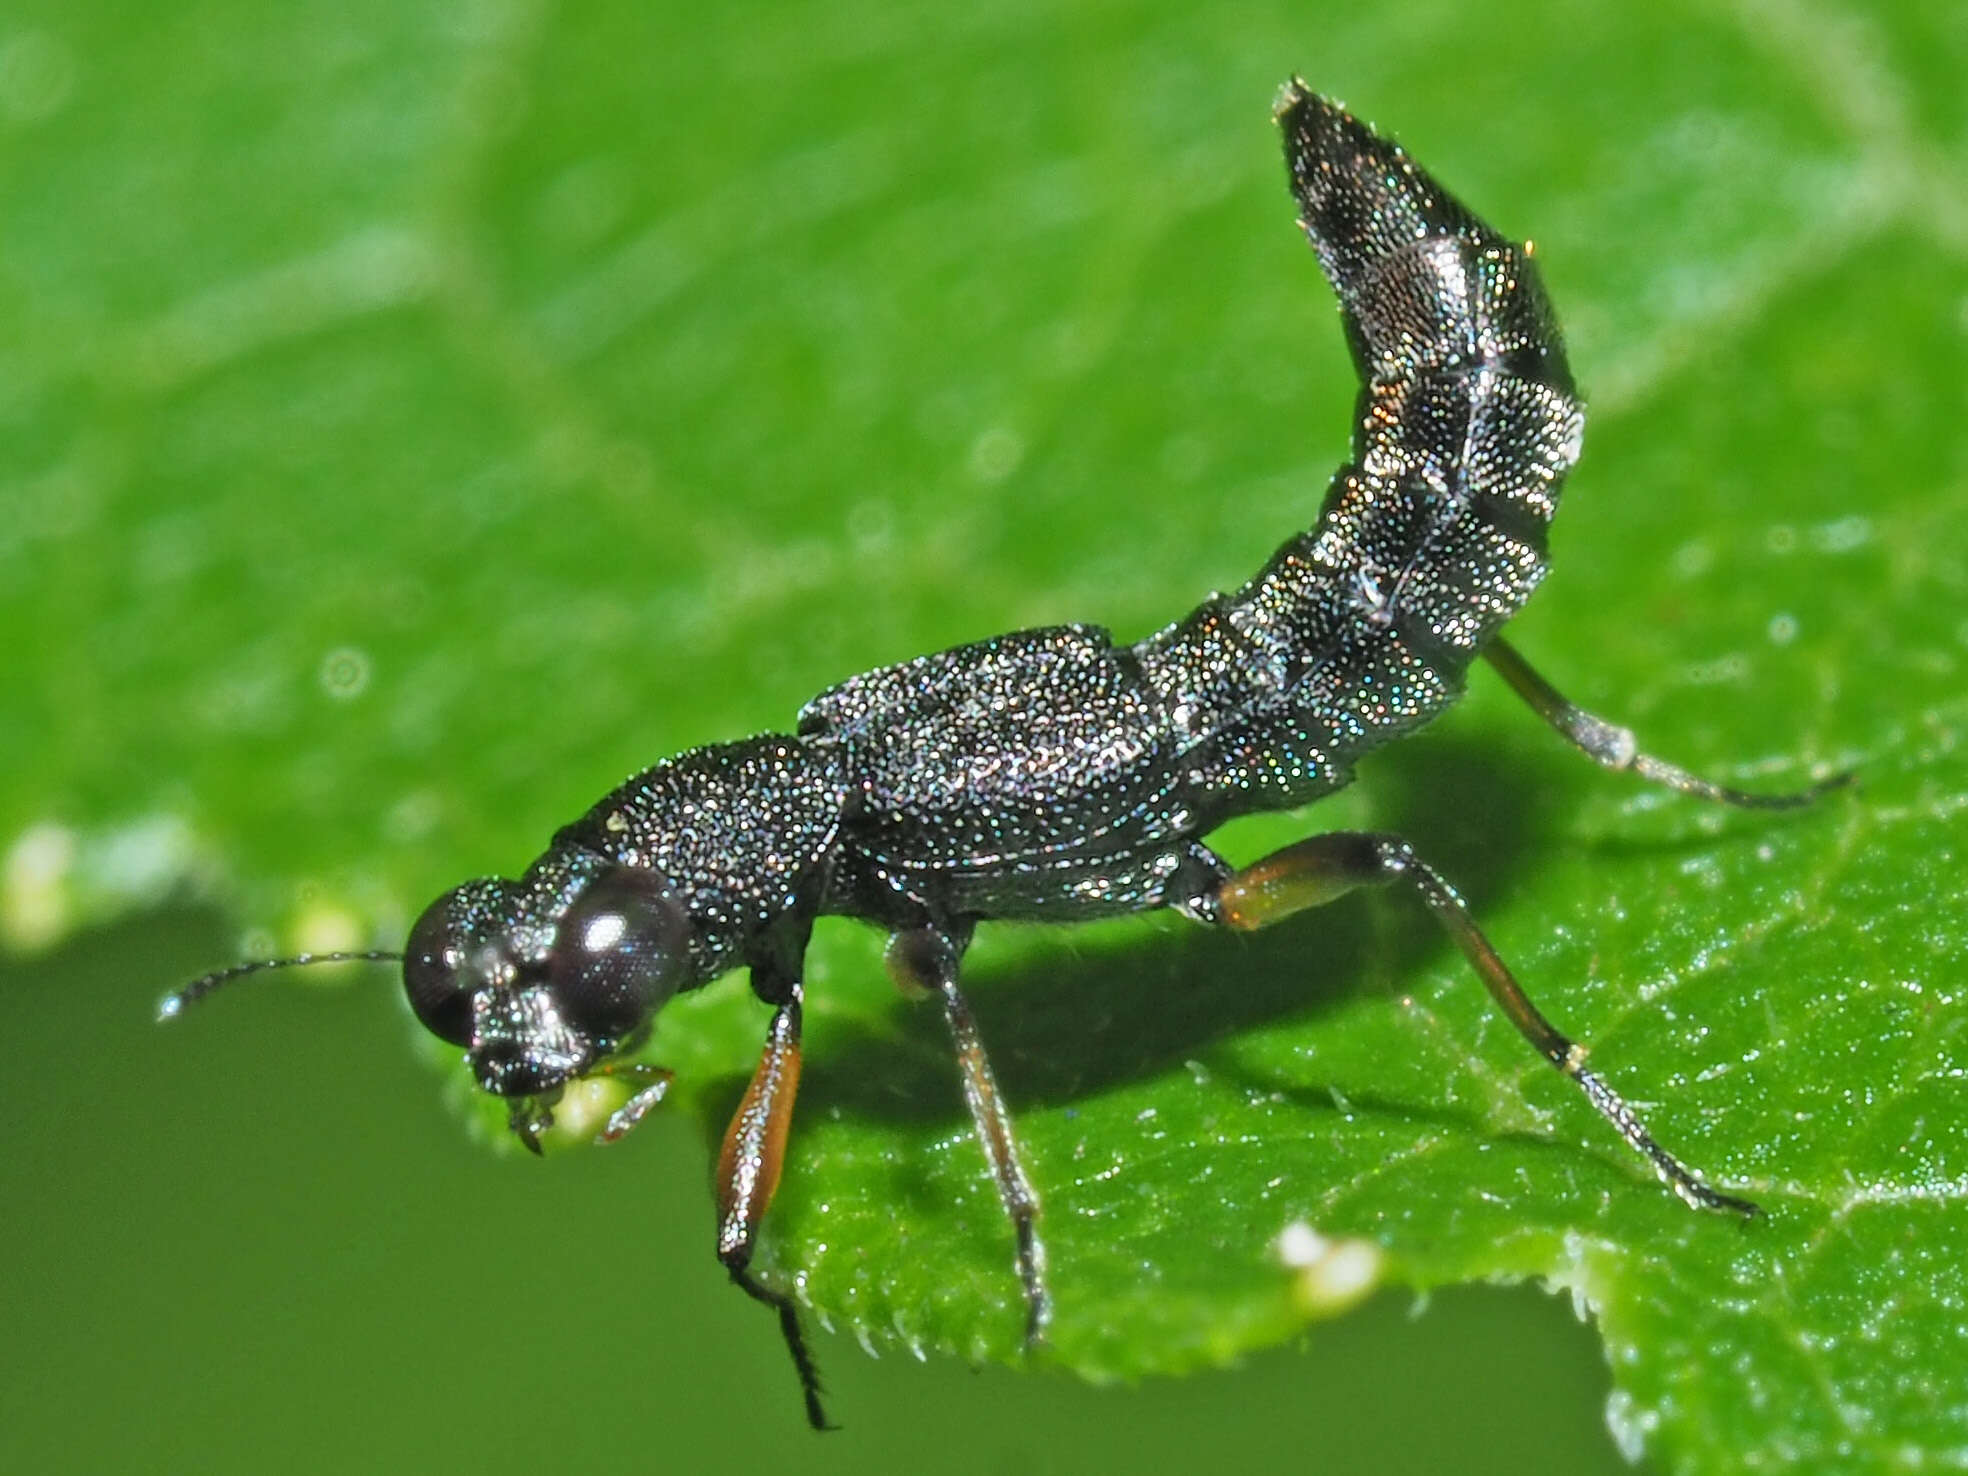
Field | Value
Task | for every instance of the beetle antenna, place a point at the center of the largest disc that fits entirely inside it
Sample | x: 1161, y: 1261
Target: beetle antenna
x: 174, y: 1003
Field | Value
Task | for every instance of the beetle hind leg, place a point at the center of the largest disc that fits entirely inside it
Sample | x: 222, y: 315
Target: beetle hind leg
x: 1325, y: 867
x: 1613, y: 747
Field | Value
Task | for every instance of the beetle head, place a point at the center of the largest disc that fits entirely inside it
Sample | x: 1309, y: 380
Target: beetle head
x: 541, y: 979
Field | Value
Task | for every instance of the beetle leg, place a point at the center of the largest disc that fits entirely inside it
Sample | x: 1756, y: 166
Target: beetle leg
x: 928, y: 958
x: 747, y: 1174
x: 655, y: 1086
x: 1317, y: 870
x: 1612, y: 746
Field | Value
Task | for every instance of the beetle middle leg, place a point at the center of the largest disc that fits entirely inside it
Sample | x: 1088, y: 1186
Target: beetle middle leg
x: 1325, y: 867
x: 1612, y: 746
x: 928, y: 958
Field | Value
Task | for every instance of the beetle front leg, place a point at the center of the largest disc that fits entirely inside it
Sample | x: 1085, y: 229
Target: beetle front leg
x: 748, y: 1173
x: 655, y: 1086
x: 1318, y: 870
x: 928, y: 958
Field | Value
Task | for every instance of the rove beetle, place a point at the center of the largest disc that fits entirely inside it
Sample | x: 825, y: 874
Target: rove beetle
x: 1052, y: 775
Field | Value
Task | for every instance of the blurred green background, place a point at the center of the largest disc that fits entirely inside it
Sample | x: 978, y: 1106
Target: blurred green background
x: 413, y: 418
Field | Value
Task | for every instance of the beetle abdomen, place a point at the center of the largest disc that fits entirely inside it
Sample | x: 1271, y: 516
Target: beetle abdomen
x: 1362, y: 628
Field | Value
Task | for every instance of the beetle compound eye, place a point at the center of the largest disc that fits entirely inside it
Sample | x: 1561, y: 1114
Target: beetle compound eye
x: 434, y: 968
x: 620, y: 952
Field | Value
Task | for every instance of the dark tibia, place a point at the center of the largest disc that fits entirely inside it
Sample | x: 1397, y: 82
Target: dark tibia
x: 1613, y: 746
x: 795, y: 1336
x: 1316, y: 871
x: 928, y: 958
x: 748, y: 1173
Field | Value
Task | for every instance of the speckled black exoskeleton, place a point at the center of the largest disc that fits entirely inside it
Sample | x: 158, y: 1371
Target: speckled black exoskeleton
x: 1053, y: 775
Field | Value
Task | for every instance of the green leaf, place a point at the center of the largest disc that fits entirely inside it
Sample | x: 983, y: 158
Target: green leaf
x: 412, y: 427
